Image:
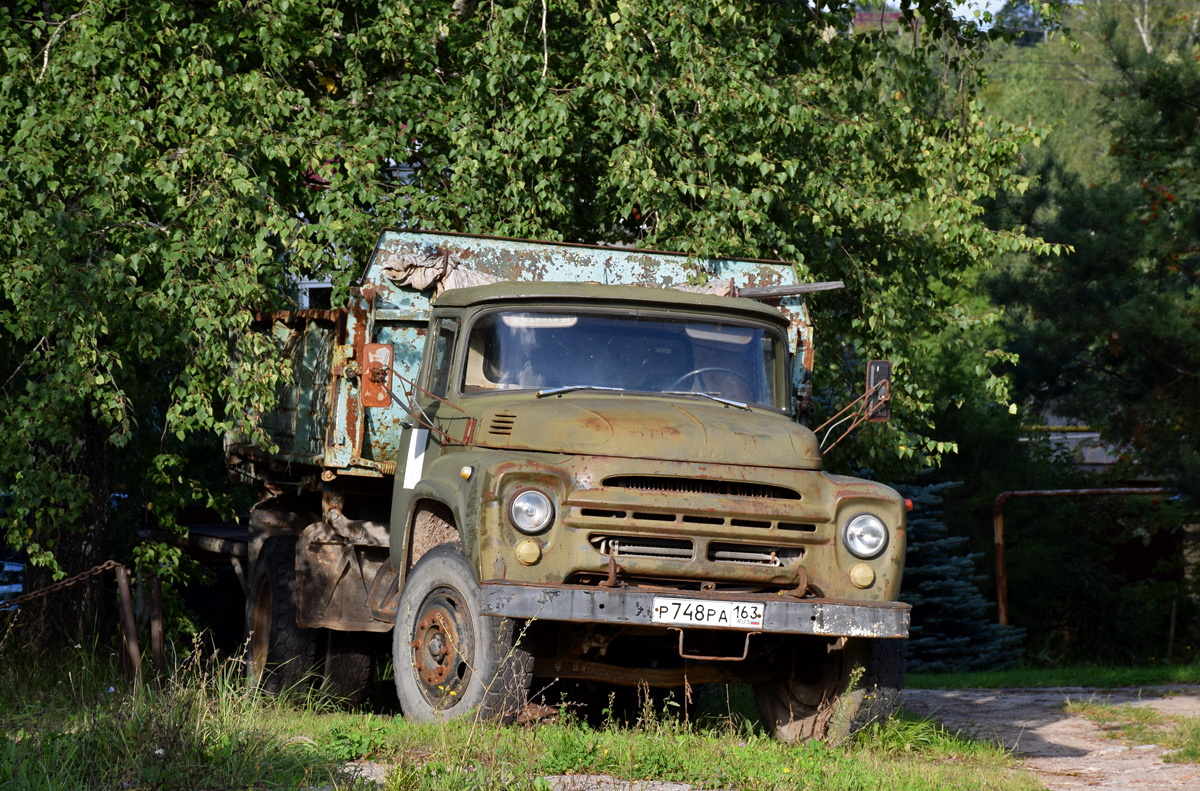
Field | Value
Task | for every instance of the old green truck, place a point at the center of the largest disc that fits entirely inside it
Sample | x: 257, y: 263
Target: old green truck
x: 527, y: 460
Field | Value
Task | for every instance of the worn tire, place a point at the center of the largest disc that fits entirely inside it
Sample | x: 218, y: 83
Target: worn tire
x: 279, y: 654
x: 855, y: 684
x: 346, y: 671
x: 451, y: 661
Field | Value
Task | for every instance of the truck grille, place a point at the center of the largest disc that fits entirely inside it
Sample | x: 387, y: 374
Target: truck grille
x: 684, y: 549
x: 754, y: 555
x: 660, y: 518
x: 643, y: 547
x: 652, y: 483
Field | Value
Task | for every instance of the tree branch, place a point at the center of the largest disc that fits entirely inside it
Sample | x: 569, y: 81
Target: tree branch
x: 545, y: 49
x: 53, y: 37
x: 36, y: 347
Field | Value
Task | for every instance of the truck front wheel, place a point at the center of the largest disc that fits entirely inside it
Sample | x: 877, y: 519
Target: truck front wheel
x: 451, y: 661
x: 833, y: 690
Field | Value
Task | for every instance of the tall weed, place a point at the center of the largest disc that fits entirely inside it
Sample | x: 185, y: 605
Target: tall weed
x: 77, y: 725
x: 205, y: 728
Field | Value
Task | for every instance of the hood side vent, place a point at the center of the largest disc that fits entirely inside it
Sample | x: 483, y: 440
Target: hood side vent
x: 502, y: 424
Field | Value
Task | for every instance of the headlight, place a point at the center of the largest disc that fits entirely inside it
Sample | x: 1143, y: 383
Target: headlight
x: 531, y: 511
x: 865, y: 536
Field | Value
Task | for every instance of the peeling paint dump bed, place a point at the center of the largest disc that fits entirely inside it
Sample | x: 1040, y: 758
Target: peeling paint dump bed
x: 532, y: 261
x: 322, y: 420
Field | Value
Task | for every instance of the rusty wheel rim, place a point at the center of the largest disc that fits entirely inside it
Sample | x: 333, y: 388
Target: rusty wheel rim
x: 442, y: 648
x: 260, y: 630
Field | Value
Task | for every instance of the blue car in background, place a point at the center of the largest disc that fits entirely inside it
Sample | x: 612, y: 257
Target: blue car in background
x: 12, y: 579
x: 12, y: 574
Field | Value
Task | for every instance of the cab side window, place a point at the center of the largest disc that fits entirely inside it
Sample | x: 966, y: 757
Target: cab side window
x: 443, y: 356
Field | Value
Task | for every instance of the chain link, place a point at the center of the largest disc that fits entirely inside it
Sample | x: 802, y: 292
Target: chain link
x: 69, y: 581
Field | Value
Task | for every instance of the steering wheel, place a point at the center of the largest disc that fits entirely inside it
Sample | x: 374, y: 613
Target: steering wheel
x: 712, y: 369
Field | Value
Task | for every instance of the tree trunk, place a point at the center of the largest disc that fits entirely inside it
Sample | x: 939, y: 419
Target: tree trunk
x: 68, y: 616
x: 1191, y: 576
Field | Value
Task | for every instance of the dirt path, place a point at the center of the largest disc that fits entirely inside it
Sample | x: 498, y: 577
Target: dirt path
x: 1066, y: 751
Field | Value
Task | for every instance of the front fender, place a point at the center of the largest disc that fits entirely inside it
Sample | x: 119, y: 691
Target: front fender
x: 442, y: 482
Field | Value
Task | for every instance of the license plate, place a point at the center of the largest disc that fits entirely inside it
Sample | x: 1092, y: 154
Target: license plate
x: 738, y: 615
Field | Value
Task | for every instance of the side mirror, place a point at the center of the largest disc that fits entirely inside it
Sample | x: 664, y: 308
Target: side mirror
x: 879, y: 391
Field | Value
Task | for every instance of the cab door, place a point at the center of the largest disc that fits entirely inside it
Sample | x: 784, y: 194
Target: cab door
x: 424, y: 432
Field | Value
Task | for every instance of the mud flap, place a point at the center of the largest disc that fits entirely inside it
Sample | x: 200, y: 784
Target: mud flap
x: 334, y: 577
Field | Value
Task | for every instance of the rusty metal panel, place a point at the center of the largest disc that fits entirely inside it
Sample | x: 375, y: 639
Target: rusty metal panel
x: 280, y: 423
x: 629, y: 607
x: 344, y: 437
x: 377, y: 375
x: 313, y: 383
x: 384, y: 421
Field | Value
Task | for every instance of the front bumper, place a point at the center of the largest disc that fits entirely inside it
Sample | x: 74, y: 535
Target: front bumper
x: 630, y: 607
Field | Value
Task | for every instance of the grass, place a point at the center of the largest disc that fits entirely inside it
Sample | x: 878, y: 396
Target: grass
x: 906, y: 754
x: 1144, y: 725
x: 1099, y: 676
x: 71, y: 722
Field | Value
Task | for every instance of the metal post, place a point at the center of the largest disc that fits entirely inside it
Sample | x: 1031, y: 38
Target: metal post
x: 1171, y: 630
x: 129, y: 626
x: 1001, y: 565
x: 156, y: 627
x: 998, y: 529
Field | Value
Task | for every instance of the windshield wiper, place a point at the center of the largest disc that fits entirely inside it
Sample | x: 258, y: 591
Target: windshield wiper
x: 713, y: 396
x: 550, y: 391
x: 570, y: 388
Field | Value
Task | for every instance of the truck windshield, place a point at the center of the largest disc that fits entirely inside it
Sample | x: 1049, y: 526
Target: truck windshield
x: 537, y: 350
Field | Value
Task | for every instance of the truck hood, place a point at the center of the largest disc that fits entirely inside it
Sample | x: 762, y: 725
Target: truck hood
x: 650, y: 428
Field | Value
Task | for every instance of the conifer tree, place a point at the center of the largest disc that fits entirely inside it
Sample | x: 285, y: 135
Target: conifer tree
x: 952, y: 627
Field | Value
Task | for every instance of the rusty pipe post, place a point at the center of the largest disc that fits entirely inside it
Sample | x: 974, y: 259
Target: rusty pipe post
x: 1001, y: 565
x: 158, y: 660
x: 998, y: 528
x: 1171, y: 630
x: 129, y: 625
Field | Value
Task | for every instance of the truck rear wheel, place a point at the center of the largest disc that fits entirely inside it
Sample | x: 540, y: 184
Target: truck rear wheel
x: 451, y: 661
x: 831, y: 697
x: 347, y: 668
x: 279, y: 654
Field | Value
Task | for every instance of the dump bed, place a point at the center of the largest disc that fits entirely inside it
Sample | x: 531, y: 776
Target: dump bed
x: 345, y: 408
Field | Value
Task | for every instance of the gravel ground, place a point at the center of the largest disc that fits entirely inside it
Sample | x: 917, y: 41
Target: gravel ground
x: 1066, y: 751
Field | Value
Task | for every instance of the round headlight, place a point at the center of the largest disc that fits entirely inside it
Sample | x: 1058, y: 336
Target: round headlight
x: 865, y: 536
x: 531, y: 511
